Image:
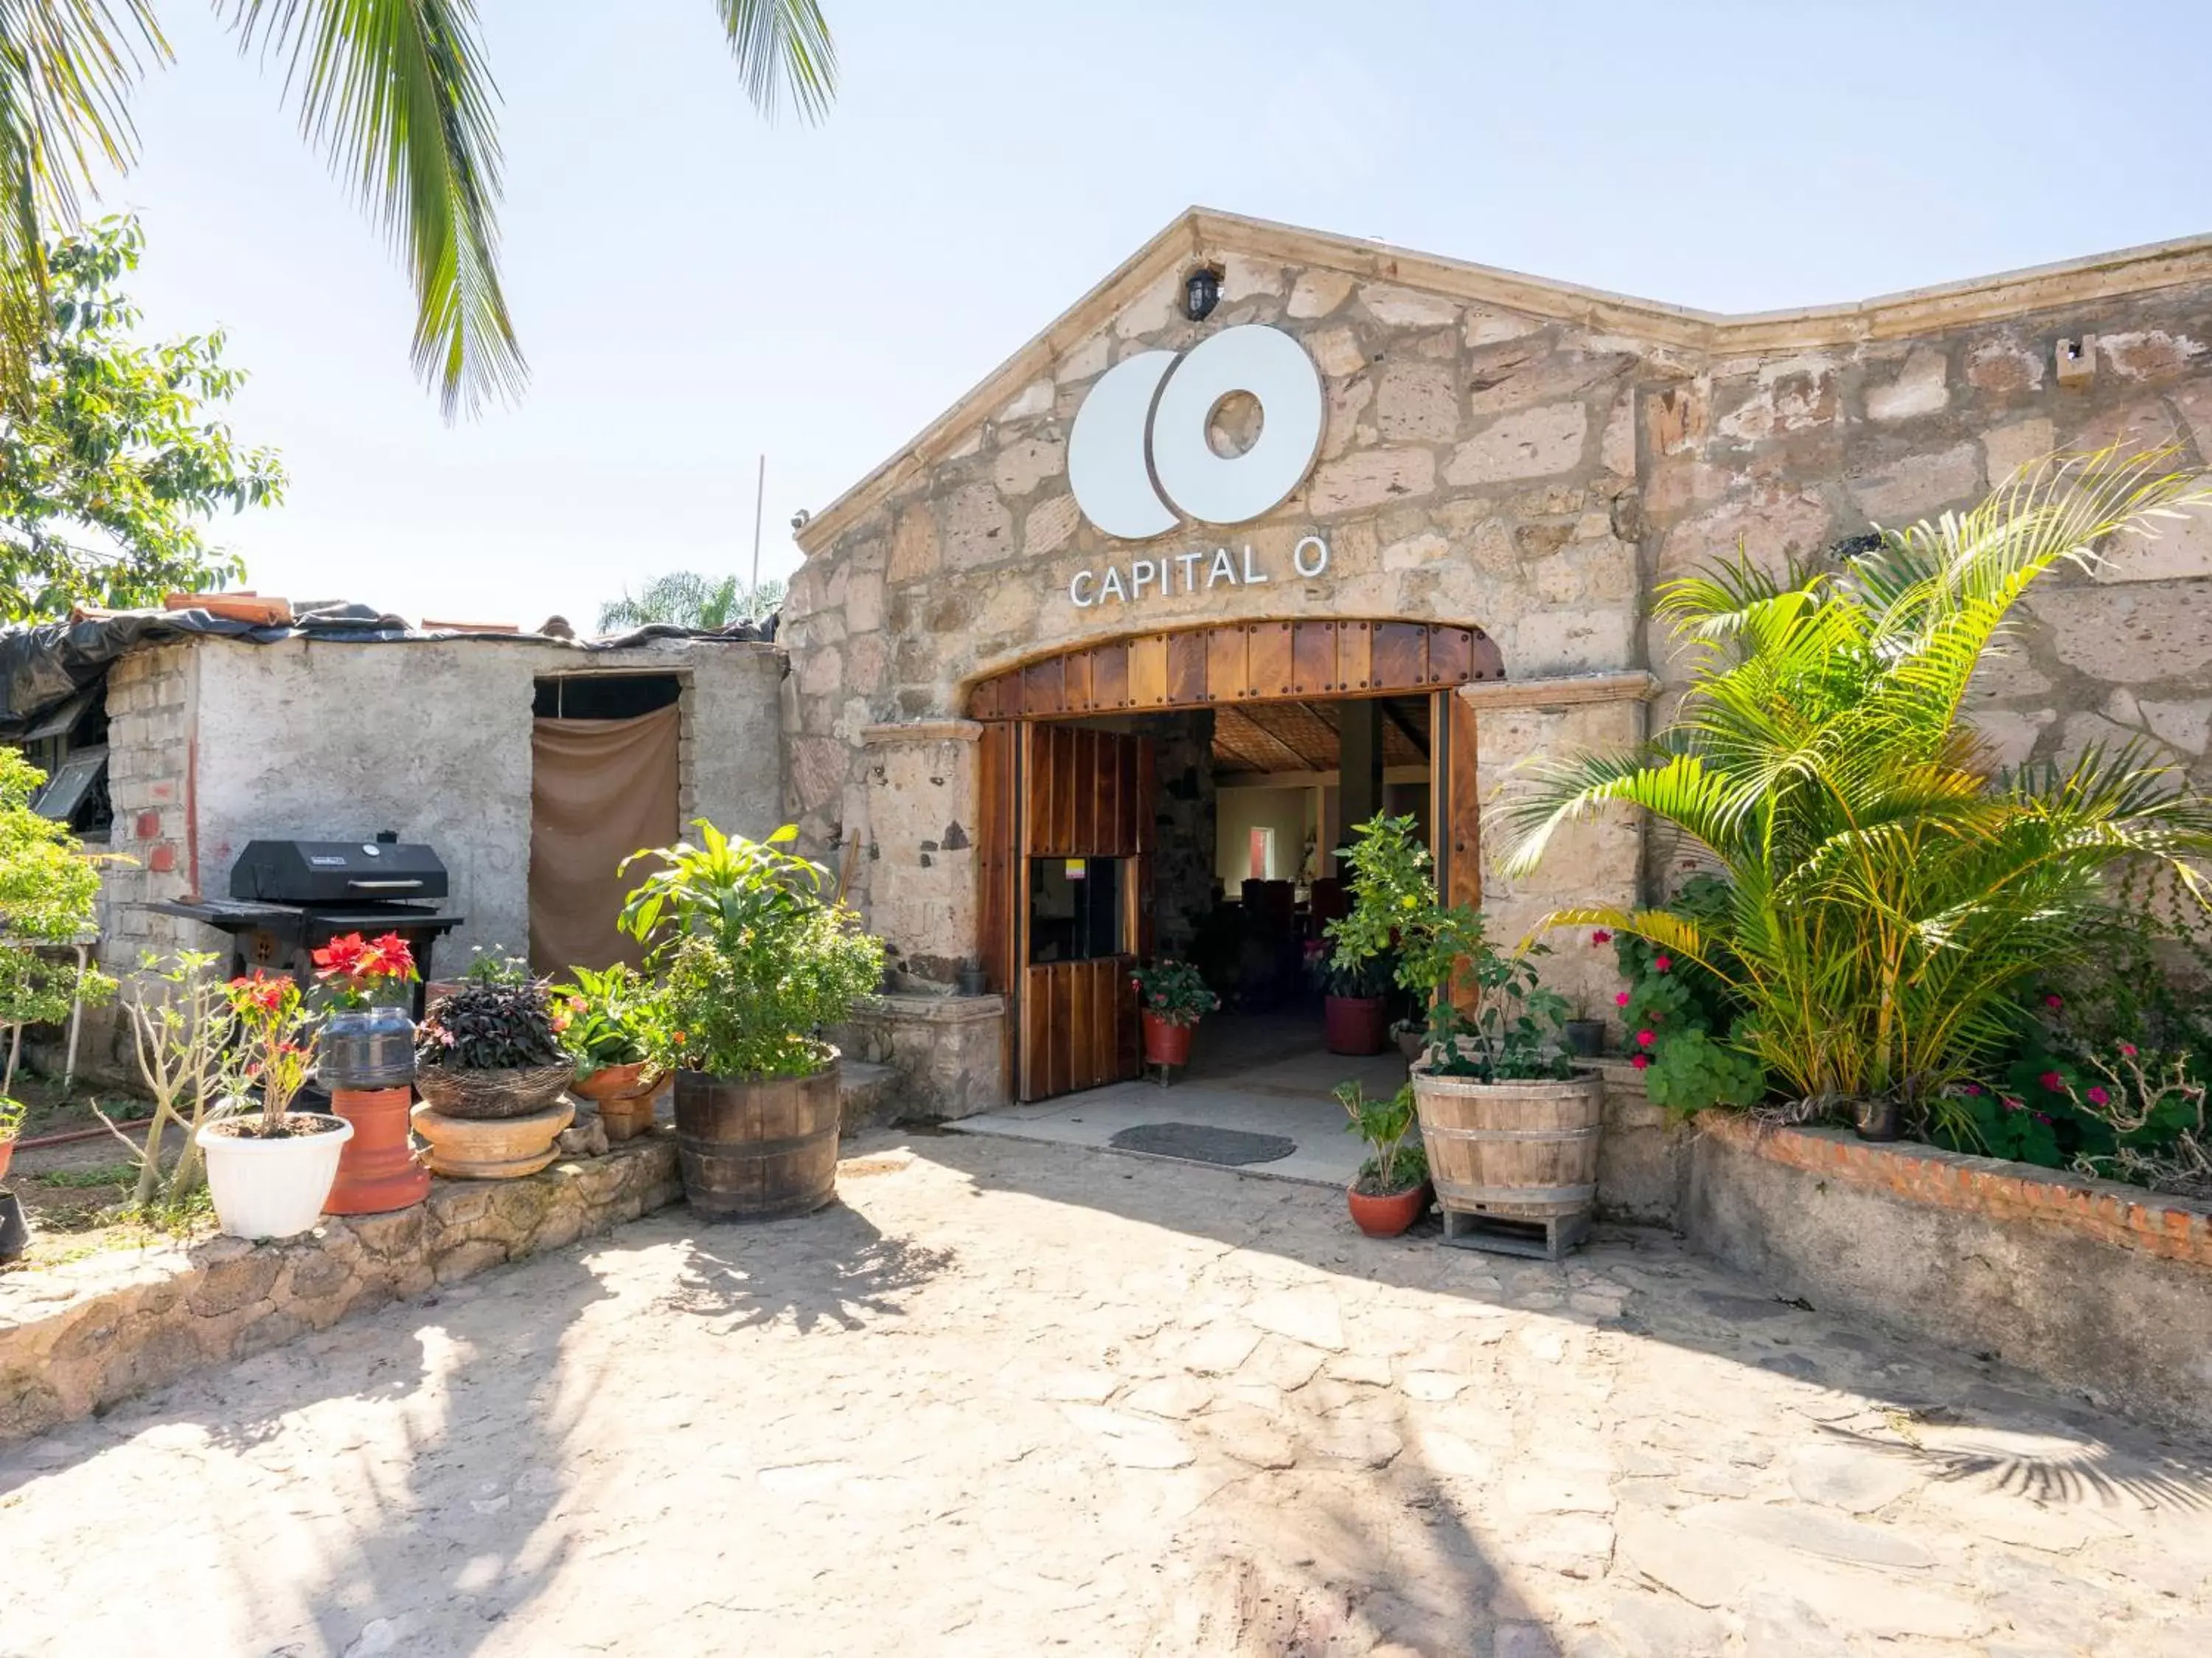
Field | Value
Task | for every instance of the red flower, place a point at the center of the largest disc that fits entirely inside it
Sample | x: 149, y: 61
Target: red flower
x: 1620, y: 1000
x: 2010, y: 1103
x: 2054, y: 1001
x: 2129, y: 1049
x: 1639, y: 1060
x: 1972, y: 1089
x: 2053, y: 1080
x: 1645, y: 1039
x: 1600, y: 936
x: 342, y: 956
x: 2098, y: 1097
x: 1662, y: 963
x: 676, y: 1037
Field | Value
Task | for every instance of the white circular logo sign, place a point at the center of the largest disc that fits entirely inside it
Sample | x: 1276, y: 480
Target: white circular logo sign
x: 1139, y: 452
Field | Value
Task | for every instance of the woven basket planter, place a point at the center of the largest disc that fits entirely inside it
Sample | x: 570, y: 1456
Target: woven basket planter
x: 487, y: 1095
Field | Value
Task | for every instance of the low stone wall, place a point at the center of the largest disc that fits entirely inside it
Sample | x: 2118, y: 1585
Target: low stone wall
x: 78, y: 1338
x: 949, y: 1051
x: 1643, y: 1157
x: 2102, y: 1287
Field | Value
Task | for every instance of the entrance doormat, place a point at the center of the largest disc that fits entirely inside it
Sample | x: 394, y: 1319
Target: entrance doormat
x: 1199, y: 1144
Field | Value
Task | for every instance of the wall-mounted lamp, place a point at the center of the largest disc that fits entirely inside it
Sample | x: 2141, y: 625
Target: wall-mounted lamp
x: 1201, y: 292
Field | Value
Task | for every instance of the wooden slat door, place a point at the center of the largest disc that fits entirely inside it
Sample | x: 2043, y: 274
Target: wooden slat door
x: 1081, y: 794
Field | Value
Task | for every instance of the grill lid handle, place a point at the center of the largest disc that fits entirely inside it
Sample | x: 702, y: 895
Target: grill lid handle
x: 384, y: 886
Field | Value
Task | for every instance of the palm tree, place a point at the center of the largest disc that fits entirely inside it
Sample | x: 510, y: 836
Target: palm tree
x: 1890, y: 892
x: 395, y: 92
x: 688, y: 599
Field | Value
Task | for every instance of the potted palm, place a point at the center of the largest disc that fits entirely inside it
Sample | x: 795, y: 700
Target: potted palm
x: 1171, y: 998
x: 270, y: 1170
x: 491, y: 1073
x: 602, y: 1019
x: 366, y: 1057
x: 754, y: 959
x: 1393, y: 1184
x: 1510, y: 1125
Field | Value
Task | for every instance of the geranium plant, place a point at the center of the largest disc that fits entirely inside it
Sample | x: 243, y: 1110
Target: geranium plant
x: 274, y: 1026
x: 1678, y: 1016
x: 1173, y: 992
x: 1488, y: 1017
x: 358, y: 973
x: 755, y: 959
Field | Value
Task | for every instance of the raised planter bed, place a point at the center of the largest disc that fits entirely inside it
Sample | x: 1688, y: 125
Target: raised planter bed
x: 2102, y: 1287
x: 78, y: 1338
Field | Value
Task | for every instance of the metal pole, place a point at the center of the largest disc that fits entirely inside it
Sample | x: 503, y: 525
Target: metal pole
x: 760, y: 494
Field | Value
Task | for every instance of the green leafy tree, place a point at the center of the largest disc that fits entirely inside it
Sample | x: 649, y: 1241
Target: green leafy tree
x: 688, y: 599
x: 105, y: 483
x: 395, y: 92
x: 1890, y: 890
x: 49, y: 894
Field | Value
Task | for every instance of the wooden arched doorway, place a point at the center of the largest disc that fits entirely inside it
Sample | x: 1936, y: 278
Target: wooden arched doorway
x: 1064, y: 792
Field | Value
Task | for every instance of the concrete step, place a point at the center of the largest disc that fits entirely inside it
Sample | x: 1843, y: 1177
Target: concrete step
x: 870, y: 1096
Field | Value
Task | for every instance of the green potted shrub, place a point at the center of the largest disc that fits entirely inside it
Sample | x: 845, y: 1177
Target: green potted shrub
x: 1172, y: 996
x: 602, y: 1019
x: 1355, y: 1001
x: 491, y: 1072
x: 1510, y: 1125
x: 1393, y: 1183
x: 754, y: 959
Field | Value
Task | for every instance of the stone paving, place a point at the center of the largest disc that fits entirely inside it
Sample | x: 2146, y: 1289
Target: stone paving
x: 1012, y: 1398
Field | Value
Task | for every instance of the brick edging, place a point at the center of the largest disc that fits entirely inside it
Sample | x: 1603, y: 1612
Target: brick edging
x: 2126, y: 1218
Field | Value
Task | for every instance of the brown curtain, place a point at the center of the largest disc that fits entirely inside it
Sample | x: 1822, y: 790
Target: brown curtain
x: 599, y: 790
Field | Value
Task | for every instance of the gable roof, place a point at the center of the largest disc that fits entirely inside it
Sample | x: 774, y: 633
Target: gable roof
x: 1202, y: 233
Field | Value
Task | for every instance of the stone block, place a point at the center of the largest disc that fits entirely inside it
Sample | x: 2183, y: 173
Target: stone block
x: 2166, y: 550
x: 1416, y: 402
x: 1033, y: 399
x: 2010, y: 447
x: 1407, y: 308
x: 1487, y: 327
x: 1317, y: 293
x: 1020, y: 467
x: 1533, y: 444
x: 1337, y: 352
x: 976, y: 528
x: 914, y: 546
x: 1919, y: 484
x: 2184, y: 725
x: 2126, y: 635
x: 1371, y: 477
x: 2004, y: 368
x: 1923, y: 387
x: 1050, y: 525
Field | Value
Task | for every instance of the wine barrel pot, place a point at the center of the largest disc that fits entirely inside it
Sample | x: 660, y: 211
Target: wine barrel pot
x: 1515, y: 1164
x: 758, y: 1148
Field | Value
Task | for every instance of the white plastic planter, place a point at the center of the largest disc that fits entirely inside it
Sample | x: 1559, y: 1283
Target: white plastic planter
x: 273, y: 1188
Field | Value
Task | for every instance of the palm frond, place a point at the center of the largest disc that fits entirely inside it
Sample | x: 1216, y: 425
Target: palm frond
x: 395, y: 93
x: 782, y: 46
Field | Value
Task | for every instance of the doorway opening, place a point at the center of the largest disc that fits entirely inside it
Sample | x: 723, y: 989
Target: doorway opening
x: 1187, y: 796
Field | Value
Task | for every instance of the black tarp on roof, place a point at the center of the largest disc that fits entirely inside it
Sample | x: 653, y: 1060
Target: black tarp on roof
x: 44, y: 664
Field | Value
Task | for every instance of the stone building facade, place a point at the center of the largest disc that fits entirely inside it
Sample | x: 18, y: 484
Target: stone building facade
x: 1520, y: 455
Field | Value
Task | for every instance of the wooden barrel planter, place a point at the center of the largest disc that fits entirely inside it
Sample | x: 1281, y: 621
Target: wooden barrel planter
x: 1515, y: 1164
x: 757, y: 1148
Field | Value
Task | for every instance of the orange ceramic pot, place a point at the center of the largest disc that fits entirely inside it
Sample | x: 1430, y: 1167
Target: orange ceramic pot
x: 1389, y: 1214
x: 1166, y: 1044
x: 378, y: 1170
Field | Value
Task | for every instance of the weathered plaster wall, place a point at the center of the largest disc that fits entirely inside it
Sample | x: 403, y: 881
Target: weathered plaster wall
x: 217, y: 743
x: 1533, y: 460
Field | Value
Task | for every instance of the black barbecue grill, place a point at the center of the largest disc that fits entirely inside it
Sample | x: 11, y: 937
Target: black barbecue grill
x: 289, y: 898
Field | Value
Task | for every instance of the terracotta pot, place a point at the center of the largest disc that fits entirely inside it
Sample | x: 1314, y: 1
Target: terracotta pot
x: 624, y: 1095
x: 7, y: 1156
x: 1387, y: 1216
x: 377, y: 1171
x: 1355, y: 1024
x: 492, y: 1148
x: 1166, y: 1044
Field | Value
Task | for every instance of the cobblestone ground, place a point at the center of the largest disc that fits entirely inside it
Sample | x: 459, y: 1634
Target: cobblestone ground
x: 1012, y: 1398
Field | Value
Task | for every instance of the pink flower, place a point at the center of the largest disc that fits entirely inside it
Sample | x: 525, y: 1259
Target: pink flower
x: 1639, y: 1060
x: 1661, y: 964
x: 2010, y: 1103
x: 1972, y: 1089
x: 1620, y: 1000
x: 1600, y: 936
x: 1645, y: 1039
x: 2053, y: 1080
x: 2098, y: 1097
x: 2054, y: 1001
x: 2129, y: 1049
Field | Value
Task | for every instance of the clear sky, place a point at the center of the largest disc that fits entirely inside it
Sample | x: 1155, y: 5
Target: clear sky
x: 694, y: 288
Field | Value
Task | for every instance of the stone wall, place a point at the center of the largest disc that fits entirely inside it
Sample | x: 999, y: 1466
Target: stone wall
x: 76, y: 1339
x: 947, y: 1052
x: 1533, y: 459
x: 2105, y: 1289
x: 1184, y: 836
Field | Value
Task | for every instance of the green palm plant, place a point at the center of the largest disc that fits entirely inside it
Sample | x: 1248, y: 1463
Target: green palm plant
x: 1890, y: 889
x: 395, y: 92
x: 689, y: 600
